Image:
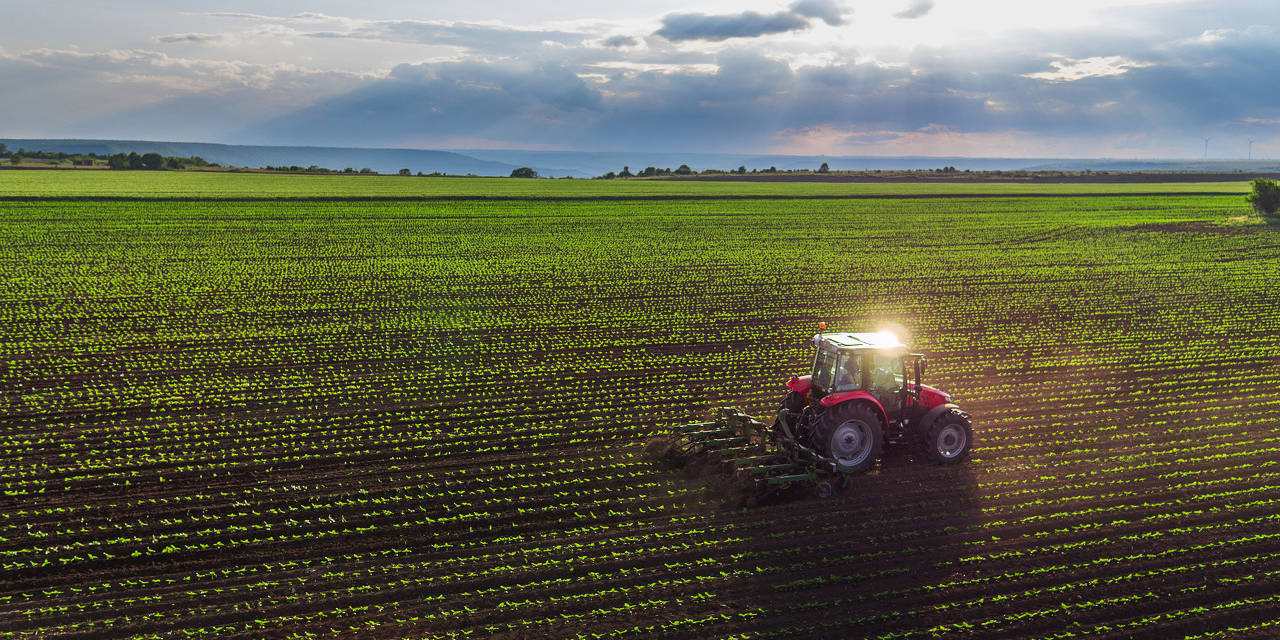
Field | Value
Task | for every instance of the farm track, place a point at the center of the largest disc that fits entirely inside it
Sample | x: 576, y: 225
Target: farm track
x: 269, y: 425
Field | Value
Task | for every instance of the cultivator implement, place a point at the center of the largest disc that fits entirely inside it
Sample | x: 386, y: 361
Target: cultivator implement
x: 765, y: 456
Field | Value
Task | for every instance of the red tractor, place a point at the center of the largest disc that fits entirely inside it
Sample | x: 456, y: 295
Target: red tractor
x: 864, y: 391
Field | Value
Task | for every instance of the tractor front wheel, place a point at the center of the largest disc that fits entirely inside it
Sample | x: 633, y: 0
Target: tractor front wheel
x: 852, y: 434
x: 949, y: 439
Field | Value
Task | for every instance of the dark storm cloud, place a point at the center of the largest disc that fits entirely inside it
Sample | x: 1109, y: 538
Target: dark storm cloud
x: 507, y: 100
x: 748, y: 24
x: 917, y: 9
x: 679, y: 27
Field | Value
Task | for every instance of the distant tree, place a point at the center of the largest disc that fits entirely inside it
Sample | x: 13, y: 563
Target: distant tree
x: 1265, y: 198
x: 118, y: 161
x: 152, y: 161
x: 524, y: 172
x: 773, y: 169
x: 4, y: 151
x: 406, y: 172
x: 648, y: 172
x: 173, y: 163
x: 684, y: 170
x: 742, y: 170
x: 16, y: 159
x: 825, y: 168
x: 609, y: 176
x: 348, y: 170
x: 135, y: 160
x: 625, y: 173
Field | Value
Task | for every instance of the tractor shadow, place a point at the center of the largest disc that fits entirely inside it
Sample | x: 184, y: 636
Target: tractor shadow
x: 855, y: 563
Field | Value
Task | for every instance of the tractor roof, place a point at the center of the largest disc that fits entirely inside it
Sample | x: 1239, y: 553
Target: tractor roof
x: 844, y: 341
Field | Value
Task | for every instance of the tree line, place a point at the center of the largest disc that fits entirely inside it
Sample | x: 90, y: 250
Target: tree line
x: 154, y: 161
x: 685, y: 170
x: 133, y: 160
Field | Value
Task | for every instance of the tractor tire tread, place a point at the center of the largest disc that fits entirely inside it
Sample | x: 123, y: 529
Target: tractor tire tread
x: 836, y: 416
x: 931, y: 432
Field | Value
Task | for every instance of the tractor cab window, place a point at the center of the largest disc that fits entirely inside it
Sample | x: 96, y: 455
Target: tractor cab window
x: 833, y: 371
x: 848, y: 372
x: 824, y: 369
x: 886, y: 372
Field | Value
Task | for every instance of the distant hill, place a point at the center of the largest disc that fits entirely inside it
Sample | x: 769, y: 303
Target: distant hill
x: 600, y: 162
x: 338, y: 158
x: 586, y: 164
x: 1197, y: 166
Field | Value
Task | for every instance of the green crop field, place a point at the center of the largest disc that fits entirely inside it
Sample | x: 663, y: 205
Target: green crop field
x: 221, y: 185
x: 317, y: 417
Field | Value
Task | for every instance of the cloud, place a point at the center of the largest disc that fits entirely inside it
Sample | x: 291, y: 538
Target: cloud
x: 299, y: 18
x: 490, y: 39
x: 149, y: 94
x: 678, y: 27
x: 829, y: 11
x: 749, y: 24
x: 926, y: 140
x: 1095, y: 67
x: 590, y: 85
x: 620, y: 41
x: 189, y: 38
x: 917, y: 9
x: 429, y: 103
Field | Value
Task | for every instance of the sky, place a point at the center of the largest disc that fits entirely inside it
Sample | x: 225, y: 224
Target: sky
x: 992, y: 78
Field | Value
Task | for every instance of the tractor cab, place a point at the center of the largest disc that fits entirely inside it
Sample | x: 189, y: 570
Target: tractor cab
x: 872, y: 362
x: 868, y: 364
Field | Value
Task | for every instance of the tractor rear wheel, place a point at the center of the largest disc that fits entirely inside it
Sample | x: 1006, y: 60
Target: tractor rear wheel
x: 852, y: 434
x: 949, y: 439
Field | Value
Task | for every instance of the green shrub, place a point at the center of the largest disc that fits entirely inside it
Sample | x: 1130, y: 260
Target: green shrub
x: 1265, y: 198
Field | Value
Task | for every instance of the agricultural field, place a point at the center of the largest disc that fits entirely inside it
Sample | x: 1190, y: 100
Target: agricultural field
x: 319, y: 417
x: 130, y: 185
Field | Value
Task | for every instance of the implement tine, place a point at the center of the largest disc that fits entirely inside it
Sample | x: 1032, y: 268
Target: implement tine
x: 698, y: 426
x: 750, y: 460
x: 799, y: 477
x: 703, y: 435
x: 762, y: 469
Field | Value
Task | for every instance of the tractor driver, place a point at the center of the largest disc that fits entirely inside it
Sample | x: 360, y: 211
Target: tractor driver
x: 883, y: 378
x: 850, y: 377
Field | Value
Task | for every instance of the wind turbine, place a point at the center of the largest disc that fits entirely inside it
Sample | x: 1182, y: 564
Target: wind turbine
x: 1251, y: 148
x: 1206, y: 148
